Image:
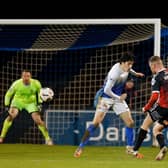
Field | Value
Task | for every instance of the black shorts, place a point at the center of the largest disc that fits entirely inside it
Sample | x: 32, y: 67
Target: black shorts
x: 159, y: 114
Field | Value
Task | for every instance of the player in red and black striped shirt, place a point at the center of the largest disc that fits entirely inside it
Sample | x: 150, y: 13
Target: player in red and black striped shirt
x: 157, y: 107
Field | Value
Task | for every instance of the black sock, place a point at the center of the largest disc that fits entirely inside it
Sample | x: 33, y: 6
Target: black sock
x: 139, y: 139
x: 160, y: 139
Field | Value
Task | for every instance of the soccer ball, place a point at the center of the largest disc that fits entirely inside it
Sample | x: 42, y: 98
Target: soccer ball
x: 46, y: 94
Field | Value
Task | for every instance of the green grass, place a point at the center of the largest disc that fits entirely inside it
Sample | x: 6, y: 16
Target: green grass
x: 42, y: 156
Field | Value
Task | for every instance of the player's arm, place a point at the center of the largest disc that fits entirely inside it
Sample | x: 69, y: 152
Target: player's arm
x: 137, y: 74
x: 38, y: 87
x: 155, y: 82
x: 9, y: 94
x: 153, y: 98
x: 107, y: 89
x: 111, y: 80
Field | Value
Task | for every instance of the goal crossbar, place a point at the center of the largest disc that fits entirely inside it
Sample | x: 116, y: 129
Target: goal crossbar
x: 155, y: 21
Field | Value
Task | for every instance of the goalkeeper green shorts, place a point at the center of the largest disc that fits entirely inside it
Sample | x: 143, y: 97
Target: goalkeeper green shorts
x: 31, y: 107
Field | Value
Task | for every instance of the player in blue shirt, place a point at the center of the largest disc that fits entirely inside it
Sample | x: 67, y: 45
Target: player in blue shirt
x: 112, y: 96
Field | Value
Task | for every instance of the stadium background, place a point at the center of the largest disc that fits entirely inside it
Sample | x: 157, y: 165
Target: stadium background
x: 73, y: 60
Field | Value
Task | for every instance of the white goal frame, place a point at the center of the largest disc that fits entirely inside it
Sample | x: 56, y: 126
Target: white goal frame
x: 155, y: 21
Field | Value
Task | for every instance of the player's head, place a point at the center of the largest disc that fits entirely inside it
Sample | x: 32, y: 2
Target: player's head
x: 26, y: 76
x: 129, y: 84
x: 155, y: 64
x: 127, y: 61
x: 128, y: 56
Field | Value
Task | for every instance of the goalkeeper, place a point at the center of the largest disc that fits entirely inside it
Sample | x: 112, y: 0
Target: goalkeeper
x: 23, y: 94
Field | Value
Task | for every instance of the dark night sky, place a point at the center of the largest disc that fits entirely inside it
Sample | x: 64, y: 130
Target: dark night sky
x: 83, y: 10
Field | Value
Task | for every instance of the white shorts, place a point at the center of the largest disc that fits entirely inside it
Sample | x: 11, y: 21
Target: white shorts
x: 118, y: 106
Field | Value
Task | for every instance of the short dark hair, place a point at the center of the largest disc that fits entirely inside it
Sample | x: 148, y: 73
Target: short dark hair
x: 128, y: 56
x: 25, y: 70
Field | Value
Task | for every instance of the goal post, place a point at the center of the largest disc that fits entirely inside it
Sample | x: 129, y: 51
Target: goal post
x: 72, y: 56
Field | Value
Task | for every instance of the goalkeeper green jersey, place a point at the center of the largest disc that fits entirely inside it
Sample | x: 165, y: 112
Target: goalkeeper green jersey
x: 26, y: 94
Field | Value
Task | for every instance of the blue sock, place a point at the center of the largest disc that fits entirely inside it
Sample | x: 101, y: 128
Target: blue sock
x: 129, y: 132
x: 90, y: 130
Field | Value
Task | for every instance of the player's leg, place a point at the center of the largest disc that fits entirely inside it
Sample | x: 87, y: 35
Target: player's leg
x: 92, y: 127
x: 101, y: 110
x: 33, y: 109
x: 41, y: 126
x: 13, y: 112
x: 122, y: 109
x: 157, y: 131
x: 129, y: 130
x: 89, y: 132
x: 142, y: 135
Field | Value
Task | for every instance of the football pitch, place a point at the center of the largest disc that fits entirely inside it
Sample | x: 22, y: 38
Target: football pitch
x: 61, y: 156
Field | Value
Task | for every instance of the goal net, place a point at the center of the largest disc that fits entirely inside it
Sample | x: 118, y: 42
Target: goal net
x: 73, y: 57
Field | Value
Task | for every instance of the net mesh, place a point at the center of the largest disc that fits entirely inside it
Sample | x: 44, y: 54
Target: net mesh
x: 73, y: 60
